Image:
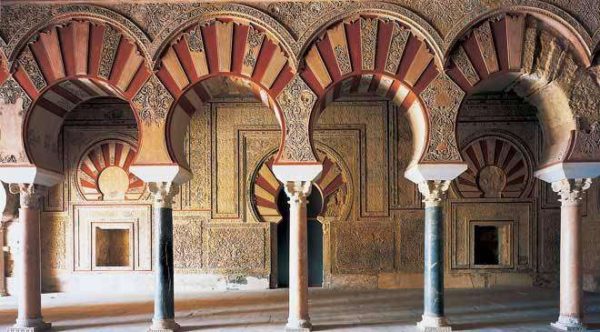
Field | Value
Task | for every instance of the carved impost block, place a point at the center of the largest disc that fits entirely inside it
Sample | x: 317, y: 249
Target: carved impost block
x: 163, y: 193
x: 31, y: 196
x: 571, y: 190
x: 434, y: 191
x: 298, y: 191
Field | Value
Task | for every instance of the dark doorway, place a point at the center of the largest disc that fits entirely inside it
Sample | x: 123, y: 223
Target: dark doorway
x: 315, y: 240
x: 486, y: 245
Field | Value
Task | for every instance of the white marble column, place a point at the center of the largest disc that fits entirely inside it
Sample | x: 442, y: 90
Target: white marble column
x: 30, y: 309
x: 571, y: 280
x: 298, y: 319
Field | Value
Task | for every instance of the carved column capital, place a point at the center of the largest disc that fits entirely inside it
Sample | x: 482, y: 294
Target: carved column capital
x: 571, y: 190
x: 298, y: 191
x: 434, y: 191
x: 163, y: 193
x: 31, y: 196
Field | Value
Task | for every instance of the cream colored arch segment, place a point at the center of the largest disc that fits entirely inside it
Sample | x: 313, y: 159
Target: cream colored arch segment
x: 546, y: 63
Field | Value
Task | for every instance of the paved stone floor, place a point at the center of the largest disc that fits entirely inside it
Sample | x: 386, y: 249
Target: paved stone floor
x: 510, y: 309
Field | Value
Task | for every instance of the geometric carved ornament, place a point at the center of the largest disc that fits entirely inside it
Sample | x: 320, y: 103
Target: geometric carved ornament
x: 103, y: 173
x: 333, y: 185
x: 498, y: 167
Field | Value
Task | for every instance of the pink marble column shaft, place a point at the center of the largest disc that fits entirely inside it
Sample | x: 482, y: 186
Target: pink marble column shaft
x: 571, y: 280
x: 29, y: 266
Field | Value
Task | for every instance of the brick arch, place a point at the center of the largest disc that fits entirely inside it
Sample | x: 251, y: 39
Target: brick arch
x: 537, y: 57
x: 383, y: 56
x: 229, y: 47
x: 67, y: 63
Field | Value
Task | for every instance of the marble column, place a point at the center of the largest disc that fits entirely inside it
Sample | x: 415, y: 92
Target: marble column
x: 298, y: 319
x: 164, y: 298
x: 571, y: 280
x: 434, y: 193
x: 29, y: 265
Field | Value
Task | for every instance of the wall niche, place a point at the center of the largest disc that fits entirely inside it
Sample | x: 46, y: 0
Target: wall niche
x: 113, y: 246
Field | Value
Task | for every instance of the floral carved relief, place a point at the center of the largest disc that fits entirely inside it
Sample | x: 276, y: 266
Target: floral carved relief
x: 296, y: 102
x: 153, y: 102
x: 442, y: 99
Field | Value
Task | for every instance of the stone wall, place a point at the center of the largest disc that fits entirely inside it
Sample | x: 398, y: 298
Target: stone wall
x: 373, y: 229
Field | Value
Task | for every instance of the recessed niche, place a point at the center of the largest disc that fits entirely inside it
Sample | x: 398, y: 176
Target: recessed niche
x: 491, y: 244
x: 486, y: 245
x: 113, y: 247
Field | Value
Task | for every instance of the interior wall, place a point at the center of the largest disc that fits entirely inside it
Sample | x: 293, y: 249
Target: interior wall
x: 220, y: 243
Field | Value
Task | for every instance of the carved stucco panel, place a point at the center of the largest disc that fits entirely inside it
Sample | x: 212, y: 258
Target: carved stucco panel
x: 236, y: 248
x: 53, y: 232
x: 363, y: 247
x: 153, y: 102
x: 14, y: 102
x: 31, y: 67
x: 187, y: 243
x: 297, y: 101
x: 442, y: 99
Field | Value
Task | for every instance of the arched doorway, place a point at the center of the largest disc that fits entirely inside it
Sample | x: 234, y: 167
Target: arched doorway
x: 315, y: 239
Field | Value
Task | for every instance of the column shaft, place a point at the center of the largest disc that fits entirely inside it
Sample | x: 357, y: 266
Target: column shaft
x: 298, y: 319
x: 164, y: 290
x: 434, y: 263
x: 29, y: 265
x: 571, y: 282
x: 571, y: 278
x: 164, y: 299
x: 434, y: 192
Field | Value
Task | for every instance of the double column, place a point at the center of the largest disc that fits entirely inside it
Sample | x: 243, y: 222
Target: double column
x: 29, y: 265
x: 434, y: 193
x: 164, y: 298
x: 298, y: 319
x: 570, y: 192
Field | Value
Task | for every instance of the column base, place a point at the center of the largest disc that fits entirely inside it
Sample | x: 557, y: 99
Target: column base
x: 298, y: 326
x: 164, y: 325
x: 30, y: 325
x: 434, y: 324
x: 566, y: 323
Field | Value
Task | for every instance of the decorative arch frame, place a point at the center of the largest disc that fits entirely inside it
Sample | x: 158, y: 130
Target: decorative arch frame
x: 49, y: 78
x: 378, y: 52
x: 101, y: 154
x: 228, y: 45
x: 534, y: 7
x: 541, y: 58
x: 264, y: 187
x: 503, y: 156
x: 64, y: 13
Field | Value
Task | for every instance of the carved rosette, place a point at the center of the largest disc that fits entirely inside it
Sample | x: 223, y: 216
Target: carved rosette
x: 297, y: 101
x: 434, y: 192
x: 571, y: 190
x: 31, y: 196
x: 163, y: 194
x: 153, y: 102
x: 442, y: 99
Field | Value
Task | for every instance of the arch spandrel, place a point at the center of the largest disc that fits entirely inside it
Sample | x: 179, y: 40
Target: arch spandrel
x: 531, y: 55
